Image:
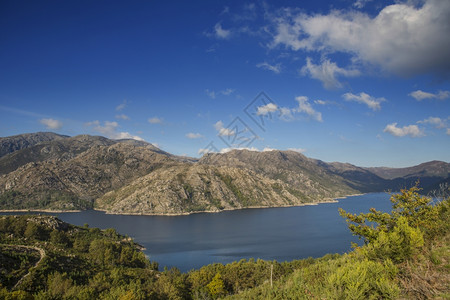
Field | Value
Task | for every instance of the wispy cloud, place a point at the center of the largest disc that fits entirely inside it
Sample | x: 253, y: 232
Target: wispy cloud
x: 192, y: 135
x: 155, y: 120
x: 411, y: 130
x: 299, y: 150
x: 51, y: 124
x: 274, y: 68
x: 363, y: 98
x: 122, y: 106
x: 421, y: 95
x: 327, y: 72
x: 434, y: 121
x: 305, y: 107
x: 223, y: 131
x: 213, y: 94
x: 110, y: 130
x: 220, y: 32
x: 21, y: 112
x: 122, y: 117
x: 361, y: 3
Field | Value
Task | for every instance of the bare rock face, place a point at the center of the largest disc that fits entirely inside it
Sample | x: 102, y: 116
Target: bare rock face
x: 49, y: 171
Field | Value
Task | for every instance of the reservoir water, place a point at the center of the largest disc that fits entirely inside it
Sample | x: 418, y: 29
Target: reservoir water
x: 283, y: 234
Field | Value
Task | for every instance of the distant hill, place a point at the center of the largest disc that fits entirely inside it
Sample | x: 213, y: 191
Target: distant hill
x: 22, y: 141
x: 50, y: 171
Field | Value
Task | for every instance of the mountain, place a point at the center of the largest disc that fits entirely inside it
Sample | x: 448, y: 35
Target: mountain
x: 302, y: 174
x: 49, y: 171
x: 22, y: 141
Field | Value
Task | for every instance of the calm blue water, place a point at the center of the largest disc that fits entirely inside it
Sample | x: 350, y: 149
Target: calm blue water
x: 284, y: 234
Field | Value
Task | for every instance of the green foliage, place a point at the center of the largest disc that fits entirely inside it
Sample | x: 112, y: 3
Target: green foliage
x: 362, y: 279
x: 228, y: 180
x: 216, y: 287
x: 398, y: 244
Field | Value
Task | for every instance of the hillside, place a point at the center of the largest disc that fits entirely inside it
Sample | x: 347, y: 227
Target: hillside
x: 17, y: 142
x: 45, y: 258
x: 49, y: 171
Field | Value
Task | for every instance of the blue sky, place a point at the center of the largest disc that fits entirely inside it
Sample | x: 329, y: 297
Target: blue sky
x: 358, y: 81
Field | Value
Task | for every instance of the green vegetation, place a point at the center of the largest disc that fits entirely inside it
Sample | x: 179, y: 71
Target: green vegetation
x: 43, y: 199
x: 406, y: 255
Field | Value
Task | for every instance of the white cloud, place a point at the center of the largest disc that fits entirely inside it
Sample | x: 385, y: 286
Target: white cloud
x: 223, y: 131
x: 109, y: 130
x: 155, y: 120
x: 274, y: 68
x: 299, y: 150
x: 286, y: 114
x: 371, y: 102
x: 403, y: 38
x: 321, y: 102
x: 327, y: 73
x: 421, y: 95
x: 213, y: 94
x: 305, y: 107
x: 227, y: 92
x: 435, y: 121
x: 448, y: 131
x: 122, y: 117
x: 265, y: 109
x: 121, y: 106
x: 360, y: 3
x: 192, y: 135
x: 203, y: 151
x: 411, y: 130
x: 220, y: 32
x: 51, y: 124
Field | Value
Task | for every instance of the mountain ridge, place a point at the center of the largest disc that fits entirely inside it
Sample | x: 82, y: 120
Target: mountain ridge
x: 57, y: 172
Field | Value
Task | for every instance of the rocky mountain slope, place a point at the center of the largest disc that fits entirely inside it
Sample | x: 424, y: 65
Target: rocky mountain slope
x: 48, y: 171
x: 17, y: 142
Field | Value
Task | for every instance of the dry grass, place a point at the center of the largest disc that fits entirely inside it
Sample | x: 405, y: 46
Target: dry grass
x: 427, y: 275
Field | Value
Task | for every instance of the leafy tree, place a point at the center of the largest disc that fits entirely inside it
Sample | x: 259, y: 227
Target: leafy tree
x: 216, y: 287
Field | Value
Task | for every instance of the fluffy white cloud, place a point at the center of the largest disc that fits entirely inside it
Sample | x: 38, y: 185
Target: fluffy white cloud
x: 51, y: 124
x: 122, y: 117
x: 421, y: 95
x: 265, y: 109
x: 371, y: 102
x: 155, y: 120
x: 404, y: 38
x: 223, y: 131
x: 327, y: 72
x: 220, y: 32
x: 192, y: 135
x: 435, y: 121
x: 305, y: 107
x: 109, y: 130
x: 411, y: 130
x: 448, y: 131
x: 274, y: 68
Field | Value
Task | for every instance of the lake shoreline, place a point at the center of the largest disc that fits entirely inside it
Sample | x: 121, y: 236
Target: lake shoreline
x: 325, y: 201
